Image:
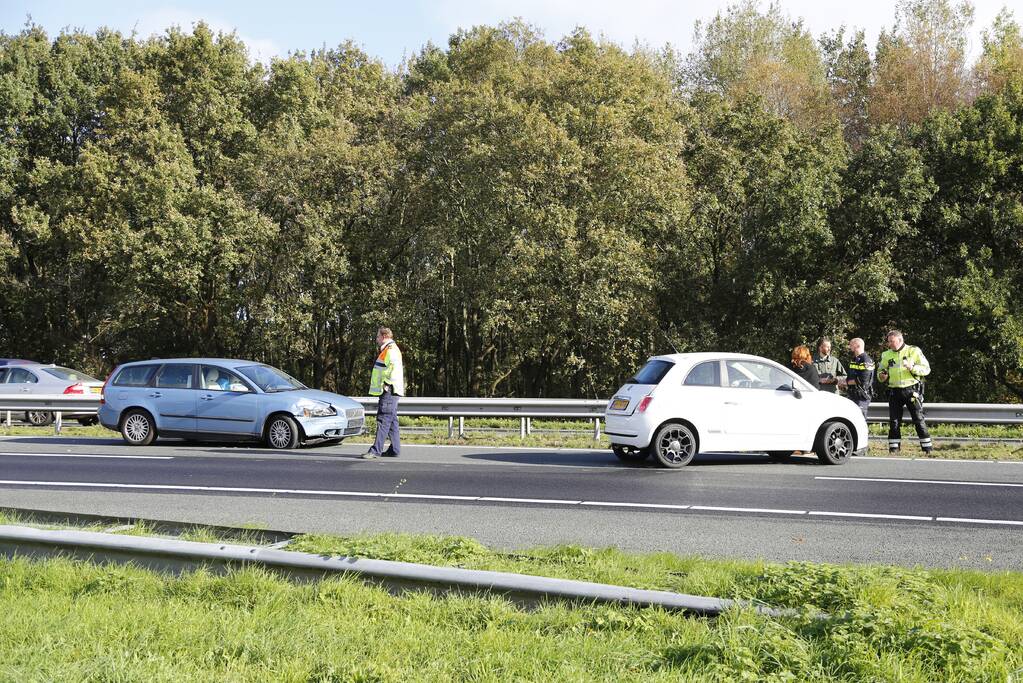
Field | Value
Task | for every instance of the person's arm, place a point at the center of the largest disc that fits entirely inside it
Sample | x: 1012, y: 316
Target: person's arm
x: 839, y: 369
x: 921, y: 368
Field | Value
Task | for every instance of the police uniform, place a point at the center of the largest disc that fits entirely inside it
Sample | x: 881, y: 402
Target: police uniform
x: 905, y: 389
x: 861, y: 370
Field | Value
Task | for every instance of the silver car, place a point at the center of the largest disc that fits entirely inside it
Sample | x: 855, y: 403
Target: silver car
x: 21, y: 377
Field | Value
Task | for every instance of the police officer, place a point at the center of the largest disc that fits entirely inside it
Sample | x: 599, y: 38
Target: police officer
x: 901, y: 369
x: 387, y: 382
x: 859, y: 384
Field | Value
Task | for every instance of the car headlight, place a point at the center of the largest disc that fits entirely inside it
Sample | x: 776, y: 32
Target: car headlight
x: 315, y: 409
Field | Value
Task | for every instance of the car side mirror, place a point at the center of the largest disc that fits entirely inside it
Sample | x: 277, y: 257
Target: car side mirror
x: 795, y: 391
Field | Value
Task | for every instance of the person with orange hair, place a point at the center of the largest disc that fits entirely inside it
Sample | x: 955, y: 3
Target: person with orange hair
x: 802, y: 364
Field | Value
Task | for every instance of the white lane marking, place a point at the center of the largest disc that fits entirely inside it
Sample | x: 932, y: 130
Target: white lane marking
x: 869, y: 515
x: 770, y: 511
x: 88, y: 455
x: 967, y: 520
x: 657, y: 506
x: 493, y: 499
x: 925, y: 481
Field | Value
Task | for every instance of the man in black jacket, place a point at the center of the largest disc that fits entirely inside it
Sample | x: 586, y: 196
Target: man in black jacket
x: 860, y: 380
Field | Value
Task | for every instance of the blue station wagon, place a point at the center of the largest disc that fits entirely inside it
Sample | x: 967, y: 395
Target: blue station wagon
x: 221, y: 399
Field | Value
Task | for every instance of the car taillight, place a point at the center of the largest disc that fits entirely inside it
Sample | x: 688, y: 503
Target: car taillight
x: 75, y: 388
x: 103, y: 391
x: 641, y: 408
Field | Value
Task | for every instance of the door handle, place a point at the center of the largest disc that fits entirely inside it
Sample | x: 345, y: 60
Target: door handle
x: 24, y: 390
x: 207, y: 397
x: 155, y: 394
x: 731, y: 403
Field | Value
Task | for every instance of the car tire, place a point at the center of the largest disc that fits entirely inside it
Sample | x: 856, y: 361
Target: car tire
x: 630, y: 455
x: 835, y: 443
x: 138, y: 428
x: 39, y: 418
x: 674, y: 445
x: 779, y: 456
x: 282, y: 432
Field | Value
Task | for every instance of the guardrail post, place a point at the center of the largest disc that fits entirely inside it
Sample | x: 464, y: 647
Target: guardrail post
x: 522, y: 428
x: 8, y: 419
x: 461, y: 427
x: 596, y: 429
x: 58, y: 423
x: 529, y: 426
x: 451, y: 427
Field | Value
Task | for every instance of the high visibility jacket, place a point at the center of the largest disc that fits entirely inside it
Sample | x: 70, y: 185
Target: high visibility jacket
x: 387, y: 369
x: 894, y: 363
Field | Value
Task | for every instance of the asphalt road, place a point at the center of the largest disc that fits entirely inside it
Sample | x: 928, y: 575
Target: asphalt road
x: 932, y: 513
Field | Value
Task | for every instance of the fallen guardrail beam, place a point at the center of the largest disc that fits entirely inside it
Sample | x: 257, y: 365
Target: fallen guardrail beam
x: 168, y: 555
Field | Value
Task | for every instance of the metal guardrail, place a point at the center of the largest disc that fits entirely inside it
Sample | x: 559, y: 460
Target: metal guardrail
x: 525, y: 410
x: 177, y: 556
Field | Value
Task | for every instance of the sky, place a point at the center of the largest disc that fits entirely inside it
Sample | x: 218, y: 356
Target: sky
x: 398, y: 28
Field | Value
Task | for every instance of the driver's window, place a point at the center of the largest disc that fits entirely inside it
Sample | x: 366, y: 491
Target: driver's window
x: 743, y: 374
x: 21, y: 376
x: 219, y: 379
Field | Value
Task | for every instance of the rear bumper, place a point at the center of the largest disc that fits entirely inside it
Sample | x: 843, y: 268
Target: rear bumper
x: 626, y: 430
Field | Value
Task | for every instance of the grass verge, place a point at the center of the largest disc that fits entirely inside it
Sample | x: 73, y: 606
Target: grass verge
x: 68, y: 620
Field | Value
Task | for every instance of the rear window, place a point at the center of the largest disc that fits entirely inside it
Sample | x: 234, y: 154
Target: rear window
x: 651, y: 373
x: 706, y: 374
x: 69, y: 375
x: 135, y: 376
x: 175, y: 376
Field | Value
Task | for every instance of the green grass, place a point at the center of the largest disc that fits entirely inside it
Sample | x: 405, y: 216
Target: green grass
x: 75, y: 621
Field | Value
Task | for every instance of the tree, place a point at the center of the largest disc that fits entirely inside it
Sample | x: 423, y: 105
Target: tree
x: 920, y: 66
x: 744, y: 52
x: 1002, y: 60
x: 848, y: 67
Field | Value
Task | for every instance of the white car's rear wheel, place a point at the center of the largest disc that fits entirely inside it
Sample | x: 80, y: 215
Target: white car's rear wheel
x: 674, y: 445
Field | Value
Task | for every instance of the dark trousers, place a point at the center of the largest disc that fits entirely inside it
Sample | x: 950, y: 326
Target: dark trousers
x: 910, y: 398
x: 862, y: 403
x: 387, y: 423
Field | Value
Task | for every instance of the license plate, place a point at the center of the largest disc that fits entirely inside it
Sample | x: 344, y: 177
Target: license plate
x: 95, y: 390
x: 620, y: 404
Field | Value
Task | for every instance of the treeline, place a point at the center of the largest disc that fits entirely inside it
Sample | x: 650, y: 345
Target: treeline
x: 533, y: 218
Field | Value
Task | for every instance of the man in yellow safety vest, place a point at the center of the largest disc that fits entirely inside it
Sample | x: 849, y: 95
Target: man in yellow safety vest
x: 387, y: 382
x: 901, y: 369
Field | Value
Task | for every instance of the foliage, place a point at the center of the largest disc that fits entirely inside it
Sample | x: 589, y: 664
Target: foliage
x: 532, y: 217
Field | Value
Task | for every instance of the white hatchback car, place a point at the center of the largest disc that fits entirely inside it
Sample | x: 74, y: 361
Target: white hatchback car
x: 682, y: 404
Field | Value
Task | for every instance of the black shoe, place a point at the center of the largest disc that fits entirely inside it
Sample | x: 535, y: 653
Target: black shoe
x: 389, y: 454
x: 893, y: 451
x: 927, y: 451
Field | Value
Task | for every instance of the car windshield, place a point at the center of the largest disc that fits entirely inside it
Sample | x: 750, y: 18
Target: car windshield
x: 69, y: 375
x: 651, y: 373
x: 271, y: 380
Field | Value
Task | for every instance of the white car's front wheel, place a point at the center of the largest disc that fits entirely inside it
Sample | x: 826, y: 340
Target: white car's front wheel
x: 834, y: 443
x: 674, y: 445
